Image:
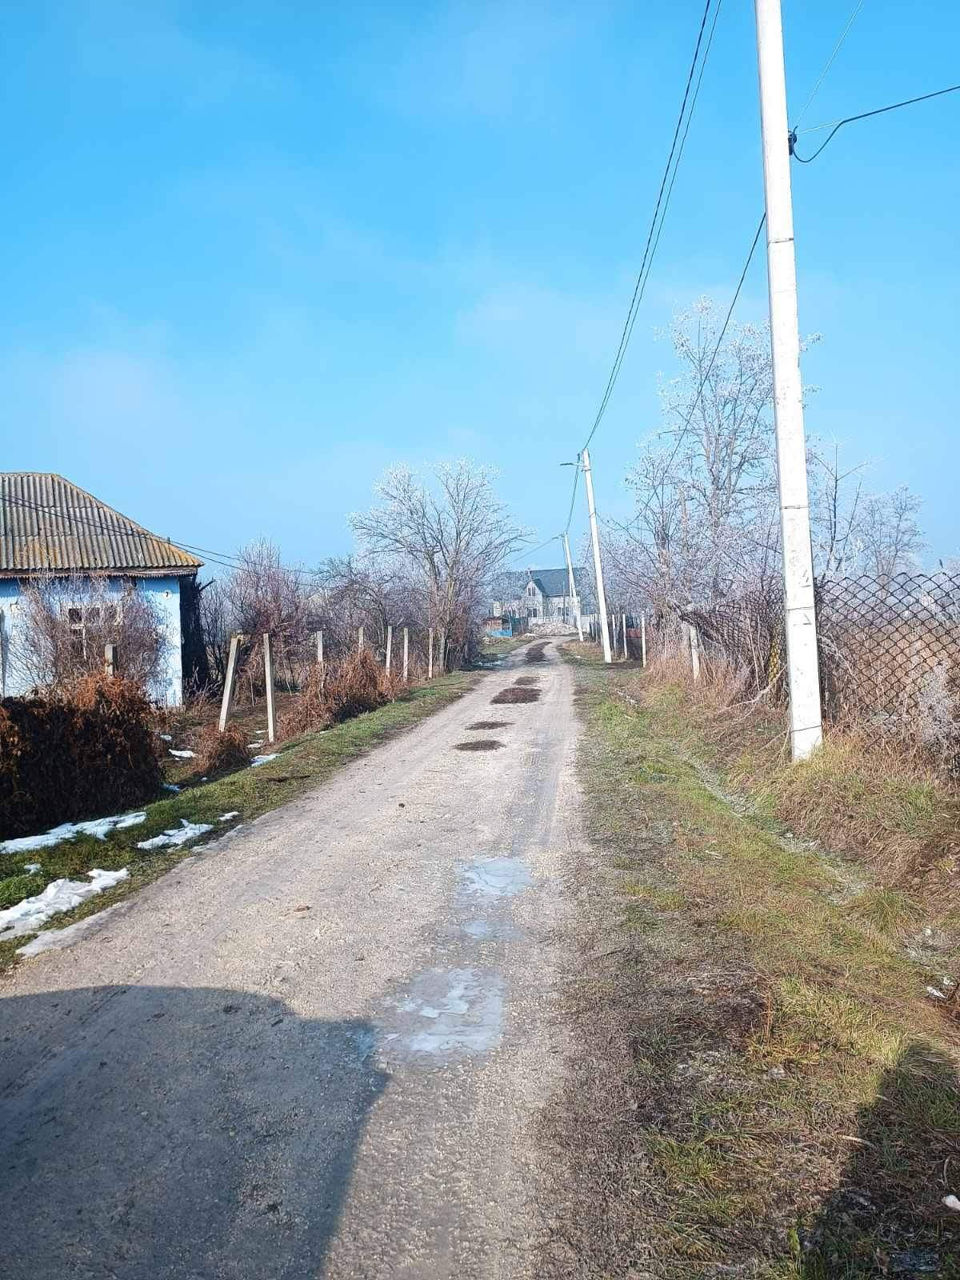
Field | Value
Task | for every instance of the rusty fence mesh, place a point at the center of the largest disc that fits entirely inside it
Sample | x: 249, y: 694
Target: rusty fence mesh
x: 889, y: 652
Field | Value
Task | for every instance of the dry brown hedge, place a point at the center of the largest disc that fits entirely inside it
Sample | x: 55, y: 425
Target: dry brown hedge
x: 84, y: 752
x: 350, y: 688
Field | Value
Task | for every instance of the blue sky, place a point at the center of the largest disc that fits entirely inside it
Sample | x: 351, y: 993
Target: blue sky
x: 254, y: 253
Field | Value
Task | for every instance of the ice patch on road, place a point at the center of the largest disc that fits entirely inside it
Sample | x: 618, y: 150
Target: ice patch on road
x: 449, y: 1013
x: 497, y: 877
x: 99, y: 827
x: 176, y: 835
x: 60, y: 895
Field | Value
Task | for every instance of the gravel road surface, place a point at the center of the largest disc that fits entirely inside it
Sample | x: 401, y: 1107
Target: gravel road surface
x: 318, y: 1047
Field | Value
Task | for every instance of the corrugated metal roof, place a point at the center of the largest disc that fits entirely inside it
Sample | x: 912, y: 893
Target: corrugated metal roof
x: 48, y: 525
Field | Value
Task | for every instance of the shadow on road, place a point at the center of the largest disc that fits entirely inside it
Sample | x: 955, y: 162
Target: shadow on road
x: 154, y: 1132
x: 887, y: 1216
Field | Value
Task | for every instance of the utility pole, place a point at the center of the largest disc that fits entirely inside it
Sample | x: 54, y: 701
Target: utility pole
x: 598, y: 567
x: 799, y: 606
x: 573, y: 588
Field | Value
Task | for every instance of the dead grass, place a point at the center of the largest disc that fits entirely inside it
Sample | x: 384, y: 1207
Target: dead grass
x: 760, y: 1084
x: 514, y: 695
x: 219, y: 753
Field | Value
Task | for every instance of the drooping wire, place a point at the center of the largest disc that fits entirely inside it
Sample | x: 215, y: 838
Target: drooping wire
x: 864, y: 115
x: 676, y: 150
x: 573, y: 498
x: 716, y: 350
x: 828, y: 64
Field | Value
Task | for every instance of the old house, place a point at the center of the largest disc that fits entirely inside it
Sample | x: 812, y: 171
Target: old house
x: 53, y: 531
x: 540, y: 596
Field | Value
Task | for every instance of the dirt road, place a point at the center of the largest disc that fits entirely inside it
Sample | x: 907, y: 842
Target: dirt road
x: 317, y: 1048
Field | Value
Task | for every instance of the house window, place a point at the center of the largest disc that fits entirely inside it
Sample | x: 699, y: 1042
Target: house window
x: 83, y: 619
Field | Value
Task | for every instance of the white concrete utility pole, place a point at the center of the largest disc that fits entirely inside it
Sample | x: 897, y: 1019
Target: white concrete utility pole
x: 597, y: 566
x: 800, y: 620
x: 573, y: 588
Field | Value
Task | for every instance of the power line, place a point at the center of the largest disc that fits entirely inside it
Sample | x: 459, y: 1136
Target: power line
x: 828, y: 64
x: 573, y: 497
x: 864, y: 115
x: 716, y: 349
x: 650, y: 248
x: 223, y: 558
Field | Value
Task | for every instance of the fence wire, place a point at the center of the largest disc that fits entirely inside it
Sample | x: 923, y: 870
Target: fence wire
x: 889, y: 652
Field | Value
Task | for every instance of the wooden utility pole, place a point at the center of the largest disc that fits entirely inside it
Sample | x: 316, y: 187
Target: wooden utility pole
x: 597, y: 566
x: 236, y: 640
x: 799, y: 607
x: 268, y: 681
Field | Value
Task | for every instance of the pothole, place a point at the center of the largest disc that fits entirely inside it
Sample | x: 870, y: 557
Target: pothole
x: 525, y: 680
x: 478, y: 744
x: 490, y: 724
x: 497, y: 877
x: 514, y: 695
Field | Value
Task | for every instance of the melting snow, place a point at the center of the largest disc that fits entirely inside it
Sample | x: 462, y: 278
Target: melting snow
x: 31, y: 868
x: 57, y: 939
x: 99, y: 827
x: 234, y: 813
x: 258, y: 760
x: 170, y: 786
x: 167, y: 737
x: 182, y: 755
x: 176, y: 835
x: 60, y: 895
x: 952, y: 1203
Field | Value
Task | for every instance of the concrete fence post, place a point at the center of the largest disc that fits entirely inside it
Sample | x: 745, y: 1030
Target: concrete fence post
x: 236, y: 640
x: 110, y: 660
x: 268, y: 681
x: 430, y: 654
x: 694, y: 650
x: 643, y: 639
x: 389, y: 647
x: 360, y: 640
x: 626, y: 652
x: 406, y: 655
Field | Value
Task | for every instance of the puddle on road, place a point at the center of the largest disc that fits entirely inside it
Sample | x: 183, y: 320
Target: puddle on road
x: 448, y: 1013
x: 490, y: 930
x: 496, y: 877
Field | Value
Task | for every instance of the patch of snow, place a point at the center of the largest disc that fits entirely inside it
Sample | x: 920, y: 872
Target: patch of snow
x: 252, y: 746
x: 60, y: 895
x: 31, y: 868
x: 937, y: 995
x: 99, y: 827
x: 258, y: 760
x: 176, y: 835
x: 234, y: 813
x: 167, y: 737
x: 952, y: 1203
x: 182, y: 755
x: 170, y: 786
x: 57, y: 939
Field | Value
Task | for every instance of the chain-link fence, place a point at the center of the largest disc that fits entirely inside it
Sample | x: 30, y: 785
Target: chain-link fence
x: 889, y: 652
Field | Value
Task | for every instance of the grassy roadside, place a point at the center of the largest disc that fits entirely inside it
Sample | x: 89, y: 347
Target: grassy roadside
x: 500, y: 646
x: 301, y: 763
x: 762, y: 1085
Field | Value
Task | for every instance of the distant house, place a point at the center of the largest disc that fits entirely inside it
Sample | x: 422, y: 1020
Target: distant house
x: 540, y: 596
x: 51, y: 528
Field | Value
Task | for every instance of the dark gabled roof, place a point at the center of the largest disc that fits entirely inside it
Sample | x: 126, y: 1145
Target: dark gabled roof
x: 48, y: 525
x: 551, y: 582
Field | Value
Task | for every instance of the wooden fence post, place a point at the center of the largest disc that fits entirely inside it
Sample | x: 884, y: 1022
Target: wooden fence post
x: 389, y: 646
x: 235, y: 641
x: 110, y: 660
x: 643, y: 638
x: 430, y: 654
x: 268, y: 680
x: 406, y: 654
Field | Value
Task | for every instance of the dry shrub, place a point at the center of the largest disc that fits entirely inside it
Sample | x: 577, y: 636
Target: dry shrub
x: 219, y: 753
x: 350, y: 688
x: 88, y: 751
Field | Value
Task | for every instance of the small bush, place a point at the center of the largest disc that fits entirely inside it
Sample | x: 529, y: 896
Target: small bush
x: 219, y: 753
x: 356, y: 685
x: 85, y: 751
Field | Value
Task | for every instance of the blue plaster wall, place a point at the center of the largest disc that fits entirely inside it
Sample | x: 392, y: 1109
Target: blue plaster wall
x: 163, y: 593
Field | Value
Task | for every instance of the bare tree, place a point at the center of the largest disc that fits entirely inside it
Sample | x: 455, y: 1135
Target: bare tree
x: 64, y: 625
x: 889, y: 534
x: 450, y: 534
